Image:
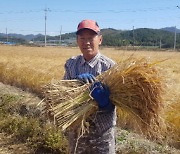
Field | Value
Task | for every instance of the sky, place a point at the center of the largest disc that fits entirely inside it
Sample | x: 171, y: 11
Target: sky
x: 28, y: 16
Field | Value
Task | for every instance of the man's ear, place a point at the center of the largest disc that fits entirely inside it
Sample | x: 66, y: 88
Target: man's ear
x: 77, y: 39
x: 100, y: 39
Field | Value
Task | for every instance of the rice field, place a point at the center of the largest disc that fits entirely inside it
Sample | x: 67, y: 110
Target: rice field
x: 32, y: 67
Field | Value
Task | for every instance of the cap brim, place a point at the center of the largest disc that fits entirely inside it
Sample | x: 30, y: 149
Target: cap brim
x: 84, y: 29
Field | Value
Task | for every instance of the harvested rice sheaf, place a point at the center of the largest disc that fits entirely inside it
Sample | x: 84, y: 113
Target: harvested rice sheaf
x: 68, y: 102
x: 135, y: 88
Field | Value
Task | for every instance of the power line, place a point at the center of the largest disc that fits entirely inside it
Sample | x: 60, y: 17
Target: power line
x: 20, y: 19
x: 92, y: 11
x: 21, y: 11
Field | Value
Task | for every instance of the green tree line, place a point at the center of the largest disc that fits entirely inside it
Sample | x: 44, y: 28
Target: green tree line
x: 141, y: 37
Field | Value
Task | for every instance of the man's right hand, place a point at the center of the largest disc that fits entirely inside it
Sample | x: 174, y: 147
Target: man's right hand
x: 86, y: 78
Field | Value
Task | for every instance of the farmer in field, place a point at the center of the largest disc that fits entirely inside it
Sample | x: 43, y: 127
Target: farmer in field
x: 85, y: 67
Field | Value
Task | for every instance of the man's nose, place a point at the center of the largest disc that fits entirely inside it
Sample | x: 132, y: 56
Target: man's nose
x: 87, y: 41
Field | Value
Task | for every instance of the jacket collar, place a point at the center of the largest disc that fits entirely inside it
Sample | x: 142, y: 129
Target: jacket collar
x: 92, y: 62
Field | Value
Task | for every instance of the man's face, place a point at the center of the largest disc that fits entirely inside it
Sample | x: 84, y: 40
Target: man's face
x: 88, y: 42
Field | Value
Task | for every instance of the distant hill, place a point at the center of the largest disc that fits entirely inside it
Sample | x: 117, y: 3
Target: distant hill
x: 25, y: 37
x: 11, y: 39
x: 171, y: 29
x: 110, y: 31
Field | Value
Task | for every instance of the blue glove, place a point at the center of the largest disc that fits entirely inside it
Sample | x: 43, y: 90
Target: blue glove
x: 101, y: 94
x: 86, y: 78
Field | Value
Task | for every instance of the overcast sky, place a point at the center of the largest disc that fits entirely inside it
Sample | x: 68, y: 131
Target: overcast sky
x: 28, y: 16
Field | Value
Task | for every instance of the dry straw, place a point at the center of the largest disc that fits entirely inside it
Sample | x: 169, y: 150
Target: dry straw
x: 135, y: 86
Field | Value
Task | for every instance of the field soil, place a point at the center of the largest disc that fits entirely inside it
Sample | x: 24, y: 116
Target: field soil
x: 8, y: 145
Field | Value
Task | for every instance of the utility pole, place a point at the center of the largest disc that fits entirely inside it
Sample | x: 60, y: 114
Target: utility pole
x: 6, y: 35
x: 160, y: 43
x: 133, y: 38
x: 175, y: 38
x: 45, y: 10
x: 175, y: 33
x: 60, y: 35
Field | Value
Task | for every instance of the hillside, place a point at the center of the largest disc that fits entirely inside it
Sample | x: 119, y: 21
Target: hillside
x: 144, y: 37
x: 171, y: 29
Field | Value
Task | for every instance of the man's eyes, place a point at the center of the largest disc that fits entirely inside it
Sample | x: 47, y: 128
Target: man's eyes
x: 85, y: 38
x: 89, y: 39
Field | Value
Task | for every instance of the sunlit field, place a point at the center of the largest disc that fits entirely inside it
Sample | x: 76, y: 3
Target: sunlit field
x: 31, y: 67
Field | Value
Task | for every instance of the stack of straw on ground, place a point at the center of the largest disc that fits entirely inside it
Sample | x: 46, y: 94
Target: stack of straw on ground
x: 135, y: 88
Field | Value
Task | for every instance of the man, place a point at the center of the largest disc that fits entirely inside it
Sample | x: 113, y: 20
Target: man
x: 85, y: 67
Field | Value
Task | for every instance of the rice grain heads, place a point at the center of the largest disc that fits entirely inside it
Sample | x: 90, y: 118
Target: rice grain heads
x: 136, y: 88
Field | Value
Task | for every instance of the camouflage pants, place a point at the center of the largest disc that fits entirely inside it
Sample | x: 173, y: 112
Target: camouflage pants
x: 93, y: 143
x: 101, y: 136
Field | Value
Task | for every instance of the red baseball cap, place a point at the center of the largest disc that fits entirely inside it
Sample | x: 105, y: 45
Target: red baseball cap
x: 88, y: 24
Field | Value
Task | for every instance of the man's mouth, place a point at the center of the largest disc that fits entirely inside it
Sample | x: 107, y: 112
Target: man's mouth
x: 87, y: 48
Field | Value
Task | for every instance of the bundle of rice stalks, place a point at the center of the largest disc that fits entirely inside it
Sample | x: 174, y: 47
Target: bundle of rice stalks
x: 135, y: 87
x: 67, y: 102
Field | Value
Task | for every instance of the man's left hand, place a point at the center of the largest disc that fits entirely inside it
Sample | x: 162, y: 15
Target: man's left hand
x: 101, y: 94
